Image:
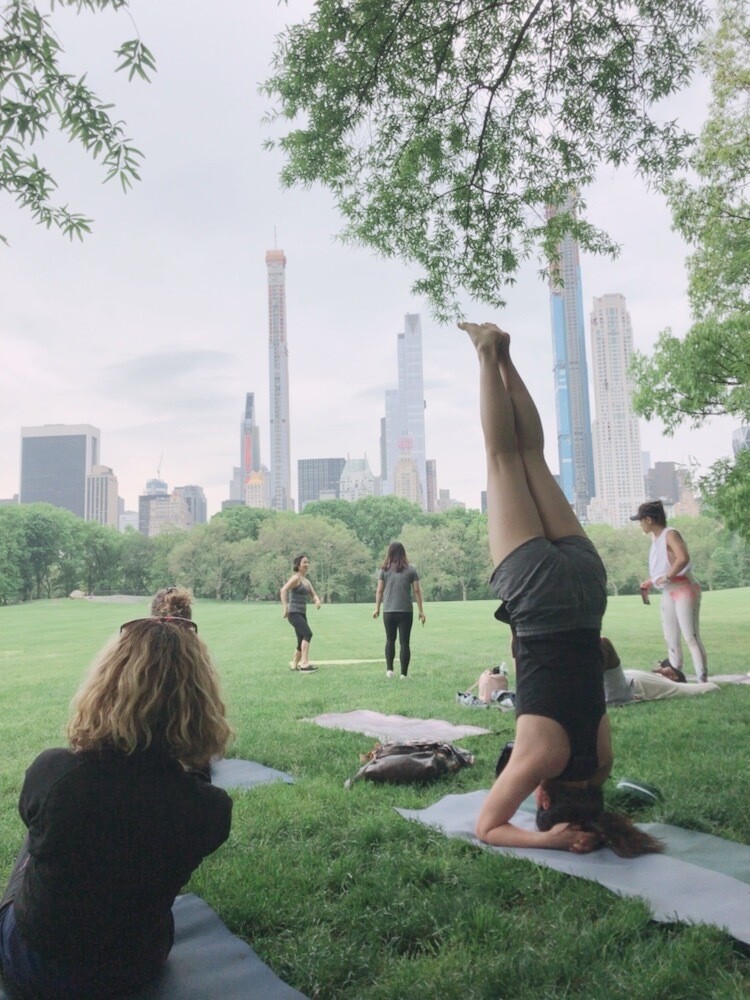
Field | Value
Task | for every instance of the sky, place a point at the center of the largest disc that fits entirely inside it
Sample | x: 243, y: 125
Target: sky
x: 155, y: 327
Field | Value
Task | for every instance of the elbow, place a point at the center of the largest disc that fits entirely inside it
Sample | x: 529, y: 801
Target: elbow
x: 482, y: 830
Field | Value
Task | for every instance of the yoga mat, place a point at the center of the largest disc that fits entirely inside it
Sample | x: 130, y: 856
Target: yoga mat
x: 394, y: 728
x: 230, y: 772
x: 700, y: 879
x: 208, y: 961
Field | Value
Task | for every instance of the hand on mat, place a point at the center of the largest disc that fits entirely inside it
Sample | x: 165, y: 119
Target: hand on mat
x: 568, y: 837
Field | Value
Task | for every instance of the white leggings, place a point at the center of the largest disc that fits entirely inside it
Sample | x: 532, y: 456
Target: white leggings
x: 680, y: 611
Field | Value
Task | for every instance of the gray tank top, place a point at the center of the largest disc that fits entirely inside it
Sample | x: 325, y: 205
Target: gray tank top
x: 298, y: 598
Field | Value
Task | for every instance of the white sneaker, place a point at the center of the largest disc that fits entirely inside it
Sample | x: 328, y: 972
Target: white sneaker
x: 389, y: 674
x: 402, y: 677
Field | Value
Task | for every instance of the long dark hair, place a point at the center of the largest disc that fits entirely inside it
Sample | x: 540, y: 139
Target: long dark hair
x: 395, y: 557
x: 585, y: 808
x: 297, y: 561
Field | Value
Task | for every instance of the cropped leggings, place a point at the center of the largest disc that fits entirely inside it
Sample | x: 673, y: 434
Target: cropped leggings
x: 302, y: 630
x: 680, y: 612
x: 398, y: 623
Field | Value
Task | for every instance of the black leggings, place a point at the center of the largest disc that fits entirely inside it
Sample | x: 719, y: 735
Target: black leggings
x: 398, y: 622
x: 298, y: 621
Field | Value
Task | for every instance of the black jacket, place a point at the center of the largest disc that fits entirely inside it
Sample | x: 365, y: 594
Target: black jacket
x: 112, y: 840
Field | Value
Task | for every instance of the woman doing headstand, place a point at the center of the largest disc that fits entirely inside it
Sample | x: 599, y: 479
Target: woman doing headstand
x: 553, y: 586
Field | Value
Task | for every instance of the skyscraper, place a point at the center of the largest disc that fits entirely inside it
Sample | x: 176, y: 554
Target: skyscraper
x: 102, y: 501
x: 617, y: 438
x: 278, y: 364
x: 55, y: 460
x: 357, y: 480
x: 250, y: 439
x: 195, y: 498
x: 318, y: 476
x: 574, y: 446
x: 404, y: 411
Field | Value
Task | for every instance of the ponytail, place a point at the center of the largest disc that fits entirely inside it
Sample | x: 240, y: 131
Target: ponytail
x: 619, y: 833
x: 585, y: 808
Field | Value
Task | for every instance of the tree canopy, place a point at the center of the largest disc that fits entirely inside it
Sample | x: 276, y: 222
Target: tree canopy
x: 444, y: 128
x: 47, y: 552
x: 35, y: 95
x: 707, y: 372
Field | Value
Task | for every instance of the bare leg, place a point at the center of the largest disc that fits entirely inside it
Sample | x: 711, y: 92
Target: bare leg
x: 556, y: 514
x: 512, y: 516
x: 305, y: 655
x: 294, y: 663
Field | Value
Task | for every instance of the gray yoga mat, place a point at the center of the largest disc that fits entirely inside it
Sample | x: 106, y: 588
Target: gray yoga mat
x: 230, y: 772
x: 208, y: 961
x: 699, y: 879
x: 395, y: 728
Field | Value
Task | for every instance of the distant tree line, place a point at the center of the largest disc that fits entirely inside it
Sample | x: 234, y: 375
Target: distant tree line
x: 246, y: 554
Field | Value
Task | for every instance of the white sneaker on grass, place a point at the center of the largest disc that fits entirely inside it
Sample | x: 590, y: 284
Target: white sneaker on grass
x: 389, y: 674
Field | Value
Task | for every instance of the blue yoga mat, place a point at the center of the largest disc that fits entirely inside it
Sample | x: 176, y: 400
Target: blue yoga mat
x: 231, y: 772
x: 208, y: 962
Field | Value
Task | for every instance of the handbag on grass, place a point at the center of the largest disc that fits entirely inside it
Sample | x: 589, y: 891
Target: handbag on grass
x: 492, y: 681
x: 414, y: 760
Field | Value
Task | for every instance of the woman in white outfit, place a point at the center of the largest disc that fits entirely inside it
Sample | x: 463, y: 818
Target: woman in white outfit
x: 670, y: 571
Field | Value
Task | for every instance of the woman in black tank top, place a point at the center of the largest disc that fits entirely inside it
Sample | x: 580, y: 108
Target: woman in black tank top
x: 553, y: 586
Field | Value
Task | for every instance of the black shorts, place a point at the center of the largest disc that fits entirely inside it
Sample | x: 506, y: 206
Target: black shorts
x: 552, y: 586
x: 298, y: 621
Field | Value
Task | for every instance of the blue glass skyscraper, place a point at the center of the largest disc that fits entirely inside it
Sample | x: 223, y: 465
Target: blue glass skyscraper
x: 574, y: 442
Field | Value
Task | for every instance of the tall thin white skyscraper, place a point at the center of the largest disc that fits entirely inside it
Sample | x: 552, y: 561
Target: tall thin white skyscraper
x: 404, y: 410
x: 278, y: 366
x: 617, y: 437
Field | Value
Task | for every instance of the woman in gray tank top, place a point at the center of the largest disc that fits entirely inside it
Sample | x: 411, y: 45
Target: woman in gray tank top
x: 295, y: 594
x: 396, y: 581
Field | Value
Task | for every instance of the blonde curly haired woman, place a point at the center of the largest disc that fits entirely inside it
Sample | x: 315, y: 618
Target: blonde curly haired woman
x: 117, y: 821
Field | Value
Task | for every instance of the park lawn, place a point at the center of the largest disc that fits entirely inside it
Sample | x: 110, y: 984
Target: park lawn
x: 342, y: 897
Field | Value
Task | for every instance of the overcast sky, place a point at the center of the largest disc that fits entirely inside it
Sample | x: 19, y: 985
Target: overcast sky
x: 155, y: 327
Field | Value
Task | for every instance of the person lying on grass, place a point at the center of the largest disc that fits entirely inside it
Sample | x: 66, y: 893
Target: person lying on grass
x: 625, y: 687
x: 118, y: 821
x: 553, y: 587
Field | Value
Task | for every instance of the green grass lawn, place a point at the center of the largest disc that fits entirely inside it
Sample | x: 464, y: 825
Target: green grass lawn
x: 344, y: 898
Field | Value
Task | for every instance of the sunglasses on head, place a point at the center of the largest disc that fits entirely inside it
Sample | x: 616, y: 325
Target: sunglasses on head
x: 185, y: 622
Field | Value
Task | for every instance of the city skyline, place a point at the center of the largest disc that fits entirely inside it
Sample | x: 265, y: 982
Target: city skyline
x: 154, y: 327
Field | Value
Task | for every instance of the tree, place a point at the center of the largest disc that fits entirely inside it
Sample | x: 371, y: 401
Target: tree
x: 708, y: 372
x: 342, y: 567
x: 13, y: 586
x: 623, y: 552
x: 100, y: 555
x: 46, y: 534
x: 376, y: 521
x: 444, y: 128
x: 35, y: 95
x: 242, y: 522
x: 135, y: 562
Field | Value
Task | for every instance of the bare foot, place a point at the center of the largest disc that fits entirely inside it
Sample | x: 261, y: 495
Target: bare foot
x: 487, y: 337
